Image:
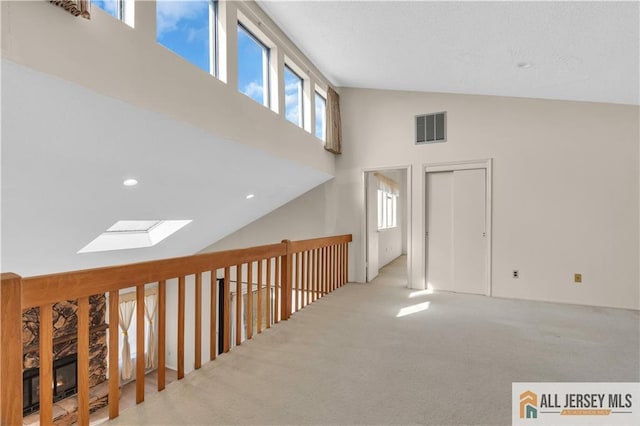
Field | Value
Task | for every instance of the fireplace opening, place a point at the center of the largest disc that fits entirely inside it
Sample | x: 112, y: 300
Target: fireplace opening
x: 65, y: 383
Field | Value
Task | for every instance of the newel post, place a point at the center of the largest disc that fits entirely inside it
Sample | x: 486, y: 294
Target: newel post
x: 11, y: 349
x: 285, y: 279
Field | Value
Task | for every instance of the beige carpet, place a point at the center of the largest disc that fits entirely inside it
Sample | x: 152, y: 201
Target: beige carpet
x: 349, y: 359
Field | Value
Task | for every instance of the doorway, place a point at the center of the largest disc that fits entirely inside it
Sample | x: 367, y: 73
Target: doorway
x: 458, y: 227
x: 387, y: 224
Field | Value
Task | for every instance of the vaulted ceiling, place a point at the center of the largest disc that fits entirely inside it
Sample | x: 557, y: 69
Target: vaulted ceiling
x: 583, y: 51
x: 67, y: 150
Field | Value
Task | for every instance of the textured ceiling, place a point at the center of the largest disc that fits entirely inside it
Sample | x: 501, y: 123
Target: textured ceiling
x: 585, y: 51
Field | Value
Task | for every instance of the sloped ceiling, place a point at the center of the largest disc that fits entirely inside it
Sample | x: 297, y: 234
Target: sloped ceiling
x: 583, y: 51
x: 66, y: 151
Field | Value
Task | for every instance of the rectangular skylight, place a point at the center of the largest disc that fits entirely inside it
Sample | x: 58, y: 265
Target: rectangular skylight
x: 128, y: 234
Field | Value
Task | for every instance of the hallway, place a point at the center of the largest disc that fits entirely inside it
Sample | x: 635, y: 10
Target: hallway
x: 380, y: 353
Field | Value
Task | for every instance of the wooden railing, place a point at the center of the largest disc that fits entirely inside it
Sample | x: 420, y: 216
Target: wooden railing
x: 287, y: 277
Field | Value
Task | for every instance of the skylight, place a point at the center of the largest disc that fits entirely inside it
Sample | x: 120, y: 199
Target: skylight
x: 128, y: 234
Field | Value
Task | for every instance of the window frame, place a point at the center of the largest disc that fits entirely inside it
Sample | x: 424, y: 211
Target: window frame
x: 301, y: 108
x: 266, y: 61
x: 387, y: 210
x: 318, y: 93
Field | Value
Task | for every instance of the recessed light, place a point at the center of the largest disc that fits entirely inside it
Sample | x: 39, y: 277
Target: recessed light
x: 524, y: 65
x: 250, y: 196
x: 130, y: 182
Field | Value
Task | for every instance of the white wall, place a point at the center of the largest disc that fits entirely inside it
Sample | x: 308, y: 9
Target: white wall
x: 111, y: 58
x: 311, y: 215
x: 565, y: 185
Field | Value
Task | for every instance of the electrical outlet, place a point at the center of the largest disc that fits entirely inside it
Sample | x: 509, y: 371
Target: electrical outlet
x: 577, y: 278
x: 516, y: 274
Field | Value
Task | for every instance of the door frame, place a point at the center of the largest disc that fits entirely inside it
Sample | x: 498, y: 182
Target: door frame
x: 485, y: 164
x: 407, y: 213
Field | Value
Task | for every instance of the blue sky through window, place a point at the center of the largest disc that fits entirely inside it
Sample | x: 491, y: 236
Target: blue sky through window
x: 292, y: 96
x: 321, y: 107
x: 109, y: 6
x: 252, y: 67
x: 183, y: 27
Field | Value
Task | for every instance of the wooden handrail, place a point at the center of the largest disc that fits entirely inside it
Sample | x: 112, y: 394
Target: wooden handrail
x: 299, y: 272
x: 43, y: 289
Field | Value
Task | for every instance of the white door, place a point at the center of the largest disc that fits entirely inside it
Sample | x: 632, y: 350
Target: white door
x: 456, y: 231
x: 372, y: 227
x: 440, y: 230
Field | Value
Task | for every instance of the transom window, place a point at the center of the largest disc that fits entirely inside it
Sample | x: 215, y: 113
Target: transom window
x: 293, y: 96
x: 253, y: 66
x: 321, y: 115
x: 188, y: 29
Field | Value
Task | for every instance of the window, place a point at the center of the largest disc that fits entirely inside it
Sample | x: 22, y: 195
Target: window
x: 119, y: 9
x: 188, y: 29
x: 253, y: 67
x: 321, y: 115
x: 293, y: 96
x: 431, y: 128
x: 387, y: 209
x: 129, y: 234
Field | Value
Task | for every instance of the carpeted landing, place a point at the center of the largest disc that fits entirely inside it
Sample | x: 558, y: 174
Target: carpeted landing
x: 379, y: 353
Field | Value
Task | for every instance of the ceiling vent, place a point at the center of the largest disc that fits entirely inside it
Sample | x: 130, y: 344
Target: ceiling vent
x: 431, y: 128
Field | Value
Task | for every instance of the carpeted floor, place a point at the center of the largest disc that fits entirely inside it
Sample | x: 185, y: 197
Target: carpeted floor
x: 382, y: 354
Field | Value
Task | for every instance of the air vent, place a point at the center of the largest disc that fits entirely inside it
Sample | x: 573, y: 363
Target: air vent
x: 431, y: 128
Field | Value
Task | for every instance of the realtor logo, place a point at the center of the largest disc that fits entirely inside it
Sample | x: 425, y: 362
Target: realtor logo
x: 528, y: 405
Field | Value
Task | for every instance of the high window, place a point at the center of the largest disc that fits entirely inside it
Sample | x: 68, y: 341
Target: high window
x: 293, y: 96
x: 253, y: 67
x: 119, y: 9
x: 321, y: 116
x: 188, y: 28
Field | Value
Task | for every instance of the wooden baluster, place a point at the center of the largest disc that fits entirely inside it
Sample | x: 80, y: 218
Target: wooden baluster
x: 305, y: 278
x: 83, y: 361
x: 114, y: 370
x: 346, y: 262
x: 316, y: 257
x: 325, y: 273
x: 227, y: 310
x: 298, y: 279
x: 339, y: 264
x: 287, y: 277
x: 249, y: 309
x: 213, y: 315
x: 11, y: 362
x: 278, y: 290
x: 198, y: 323
x: 162, y: 336
x: 309, y: 256
x: 333, y: 267
x: 140, y: 344
x: 268, y: 307
x: 238, y: 305
x: 181, y: 301
x: 46, y: 364
x: 259, y: 313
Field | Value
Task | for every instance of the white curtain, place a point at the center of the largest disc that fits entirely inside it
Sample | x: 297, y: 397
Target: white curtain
x: 126, y: 313
x: 150, y: 306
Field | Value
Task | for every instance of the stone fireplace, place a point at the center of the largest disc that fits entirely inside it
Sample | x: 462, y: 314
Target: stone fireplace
x: 65, y: 326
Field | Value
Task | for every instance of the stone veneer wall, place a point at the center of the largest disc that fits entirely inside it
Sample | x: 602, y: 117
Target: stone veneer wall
x: 65, y: 326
